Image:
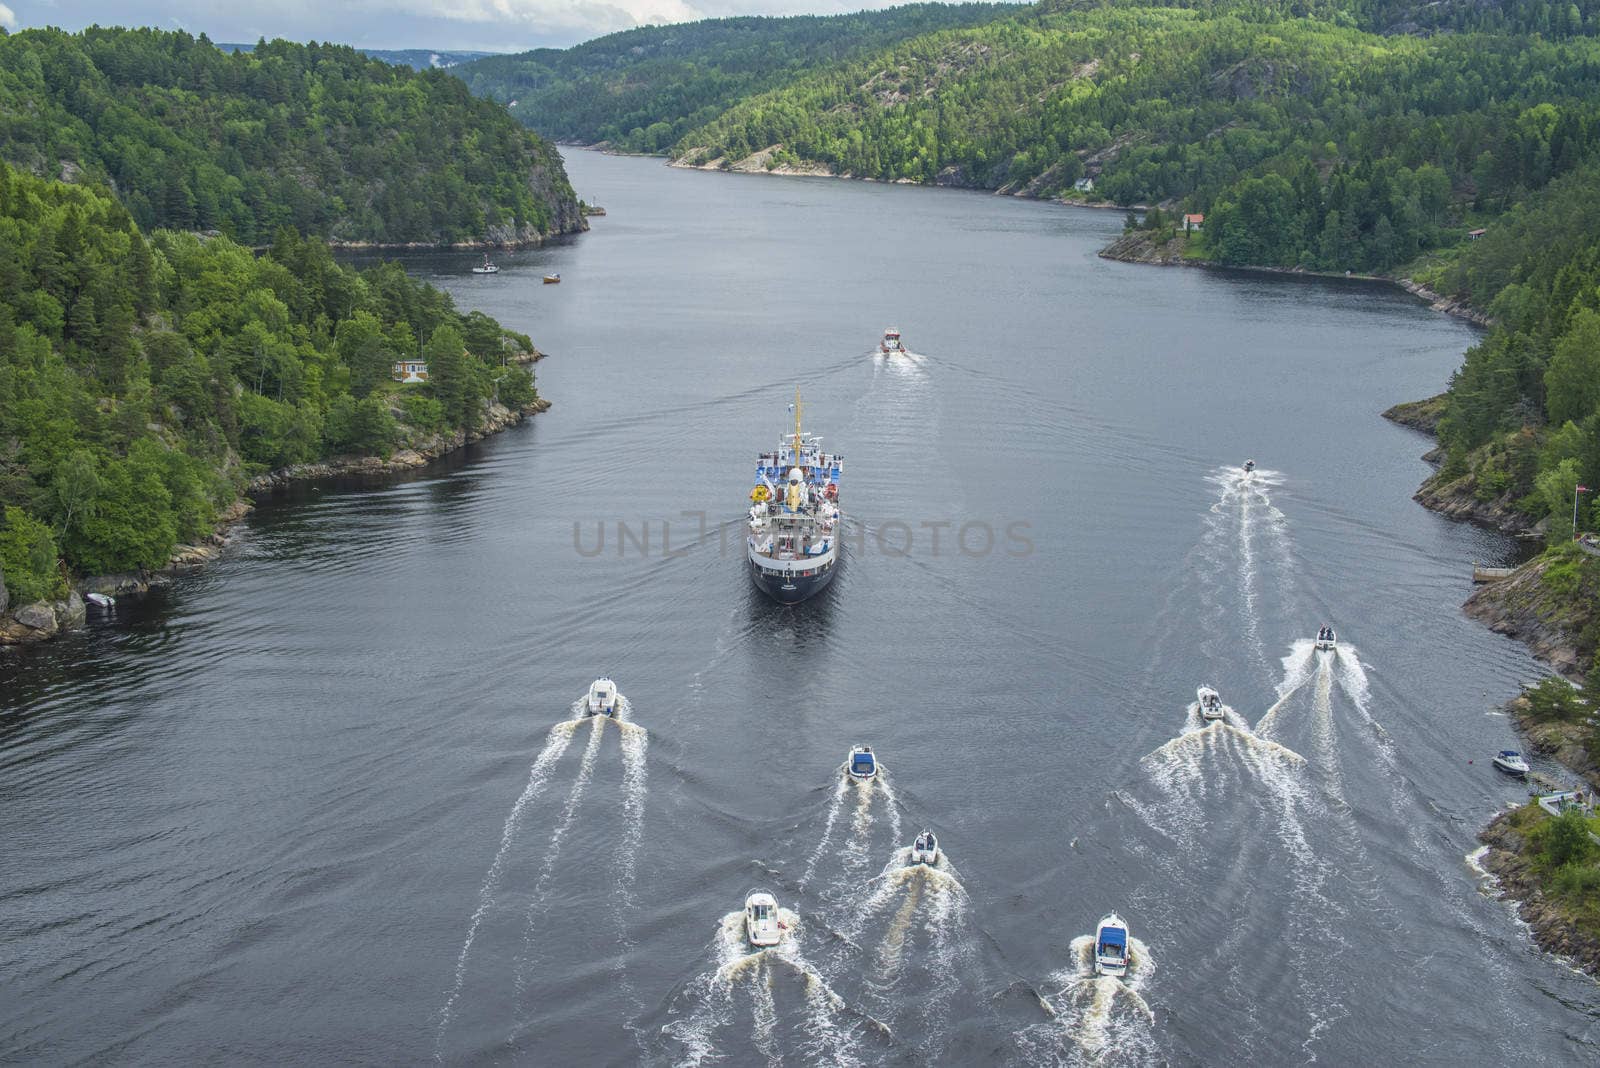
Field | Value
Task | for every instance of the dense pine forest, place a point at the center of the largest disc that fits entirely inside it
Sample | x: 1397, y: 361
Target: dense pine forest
x: 144, y: 379
x: 318, y: 137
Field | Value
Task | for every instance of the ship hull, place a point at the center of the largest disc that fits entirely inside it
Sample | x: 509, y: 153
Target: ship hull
x: 792, y: 589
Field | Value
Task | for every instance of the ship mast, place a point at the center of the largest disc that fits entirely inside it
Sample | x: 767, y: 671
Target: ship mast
x: 797, y: 426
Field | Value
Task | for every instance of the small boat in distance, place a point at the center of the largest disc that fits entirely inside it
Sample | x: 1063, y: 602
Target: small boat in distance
x: 1111, y: 946
x: 761, y: 924
x: 551, y: 279
x: 100, y: 600
x: 486, y: 267
x: 602, y: 699
x: 1210, y: 702
x: 1510, y: 761
x: 1249, y: 466
x: 891, y: 342
x: 1326, y: 639
x: 925, y: 850
x: 862, y: 764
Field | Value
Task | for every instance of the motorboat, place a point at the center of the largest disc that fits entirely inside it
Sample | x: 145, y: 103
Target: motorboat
x: 862, y: 764
x: 100, y: 600
x: 1326, y: 638
x: 925, y: 850
x: 1249, y: 466
x: 1210, y: 702
x: 551, y: 279
x: 602, y: 699
x: 761, y: 924
x: 891, y: 342
x: 1111, y: 946
x: 486, y: 267
x: 1510, y: 761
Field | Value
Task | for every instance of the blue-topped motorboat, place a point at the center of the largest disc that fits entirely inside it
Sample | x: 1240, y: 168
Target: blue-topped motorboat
x: 862, y: 764
x: 1111, y: 946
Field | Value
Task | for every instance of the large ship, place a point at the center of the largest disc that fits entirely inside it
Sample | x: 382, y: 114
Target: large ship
x: 794, y: 516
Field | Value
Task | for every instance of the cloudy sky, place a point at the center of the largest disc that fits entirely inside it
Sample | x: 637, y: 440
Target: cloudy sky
x: 487, y: 25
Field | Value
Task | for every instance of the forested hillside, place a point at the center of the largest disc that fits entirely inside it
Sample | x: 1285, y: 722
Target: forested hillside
x: 318, y: 137
x: 641, y: 90
x: 1332, y: 135
x: 142, y: 381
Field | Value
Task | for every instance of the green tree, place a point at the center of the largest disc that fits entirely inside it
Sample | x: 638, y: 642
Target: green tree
x: 361, y: 346
x: 1572, y: 381
x: 28, y: 558
x: 451, y: 377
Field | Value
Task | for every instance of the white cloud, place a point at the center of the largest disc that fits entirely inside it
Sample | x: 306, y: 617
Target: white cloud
x: 8, y: 18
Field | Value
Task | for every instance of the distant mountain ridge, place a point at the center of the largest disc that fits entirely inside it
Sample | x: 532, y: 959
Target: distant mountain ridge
x: 641, y: 90
x: 415, y: 58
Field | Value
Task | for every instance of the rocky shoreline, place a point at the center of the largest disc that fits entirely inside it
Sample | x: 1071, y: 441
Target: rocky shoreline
x: 43, y: 620
x: 1555, y: 928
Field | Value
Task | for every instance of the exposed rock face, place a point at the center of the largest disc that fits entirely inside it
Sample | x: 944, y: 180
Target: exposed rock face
x: 31, y: 622
x: 1521, y: 607
x: 70, y: 613
x: 1140, y: 246
x: 1449, y: 305
x: 1458, y: 499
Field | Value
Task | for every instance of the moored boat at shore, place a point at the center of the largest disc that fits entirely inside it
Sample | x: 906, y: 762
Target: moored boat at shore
x: 486, y: 267
x: 794, y: 518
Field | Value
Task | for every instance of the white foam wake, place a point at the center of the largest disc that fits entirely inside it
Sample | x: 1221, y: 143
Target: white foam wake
x: 552, y: 853
x: 1095, y: 1016
x: 555, y: 744
x: 835, y: 807
x: 738, y: 967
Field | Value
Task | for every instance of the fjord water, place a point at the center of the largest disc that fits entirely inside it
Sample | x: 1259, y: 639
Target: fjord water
x: 326, y: 801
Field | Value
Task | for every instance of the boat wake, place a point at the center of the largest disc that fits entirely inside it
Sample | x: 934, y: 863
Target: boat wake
x: 556, y: 743
x: 1247, y: 534
x: 920, y: 948
x: 498, y: 882
x: 786, y: 1008
x: 1095, y: 1019
x: 842, y: 867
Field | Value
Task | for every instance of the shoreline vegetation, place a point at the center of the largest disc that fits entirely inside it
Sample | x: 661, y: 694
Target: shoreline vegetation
x: 174, y: 330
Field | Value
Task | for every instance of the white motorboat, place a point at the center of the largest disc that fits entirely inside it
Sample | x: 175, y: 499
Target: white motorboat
x: 1210, y: 702
x: 1326, y: 638
x: 761, y: 924
x: 100, y: 600
x: 862, y: 764
x: 891, y: 342
x: 1111, y: 946
x: 486, y: 267
x: 602, y: 699
x: 1249, y: 466
x: 925, y: 850
x: 1510, y: 761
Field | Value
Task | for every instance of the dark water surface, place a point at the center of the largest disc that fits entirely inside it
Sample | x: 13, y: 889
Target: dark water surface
x: 320, y: 805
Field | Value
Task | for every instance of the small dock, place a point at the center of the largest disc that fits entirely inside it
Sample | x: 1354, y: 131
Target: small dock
x: 1491, y: 574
